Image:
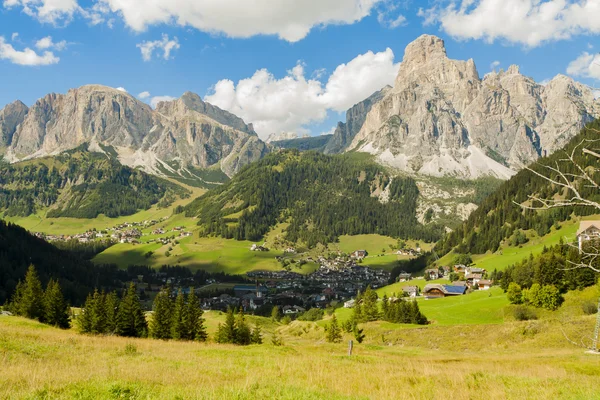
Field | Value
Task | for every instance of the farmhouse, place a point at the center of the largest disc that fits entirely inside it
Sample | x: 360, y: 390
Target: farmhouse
x: 485, y: 284
x: 411, y: 291
x: 432, y: 274
x: 588, y: 230
x: 434, y: 291
x: 359, y: 254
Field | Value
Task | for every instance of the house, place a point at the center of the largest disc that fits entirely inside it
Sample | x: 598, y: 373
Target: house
x: 411, y: 291
x: 432, y: 273
x: 241, y: 290
x: 473, y: 270
x: 433, y: 291
x: 349, y: 303
x: 403, y: 276
x: 485, y: 284
x: 588, y: 230
x: 473, y: 279
x: 460, y: 268
x: 359, y: 254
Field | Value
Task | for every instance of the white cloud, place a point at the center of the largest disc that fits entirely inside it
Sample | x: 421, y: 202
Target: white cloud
x: 14, y: 36
x: 590, y: 46
x: 494, y: 65
x: 144, y: 95
x: 25, y: 57
x: 166, y: 45
x: 596, y: 94
x: 290, y: 20
x: 545, y: 81
x: 47, y: 43
x: 585, y: 66
x: 157, y: 99
x: 529, y: 22
x: 122, y: 89
x: 49, y: 11
x: 329, y: 132
x: 292, y: 102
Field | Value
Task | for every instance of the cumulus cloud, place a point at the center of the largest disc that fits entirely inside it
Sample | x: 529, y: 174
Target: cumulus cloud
x: 26, y: 57
x: 289, y: 20
x: 157, y: 99
x: 528, y: 22
x: 494, y: 65
x: 388, y: 16
x: 585, y: 66
x: 144, y: 95
x: 47, y: 43
x: 14, y: 36
x: 48, y: 11
x: 122, y: 89
x: 165, y: 45
x: 292, y: 102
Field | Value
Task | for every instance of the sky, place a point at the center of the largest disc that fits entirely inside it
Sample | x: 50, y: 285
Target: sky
x: 283, y: 65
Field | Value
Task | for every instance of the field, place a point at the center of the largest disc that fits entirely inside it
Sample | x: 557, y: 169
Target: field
x: 514, y: 360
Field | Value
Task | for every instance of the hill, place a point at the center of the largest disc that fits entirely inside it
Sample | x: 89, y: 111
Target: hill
x: 500, y: 215
x: 321, y: 197
x: 81, y: 184
x: 316, y: 143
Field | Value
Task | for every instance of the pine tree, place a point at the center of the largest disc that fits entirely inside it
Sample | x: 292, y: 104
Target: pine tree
x: 359, y: 336
x: 98, y: 314
x: 194, y: 322
x: 56, y: 309
x: 227, y: 332
x: 256, y: 337
x: 111, y: 309
x: 243, y: 334
x: 131, y: 321
x: 275, y: 314
x: 385, y: 308
x: 334, y: 333
x: 30, y: 301
x: 357, y: 314
x: 370, y: 310
x: 162, y: 317
x: 178, y: 328
x: 84, y: 320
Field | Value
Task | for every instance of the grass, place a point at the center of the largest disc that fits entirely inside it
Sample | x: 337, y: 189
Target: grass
x: 528, y: 360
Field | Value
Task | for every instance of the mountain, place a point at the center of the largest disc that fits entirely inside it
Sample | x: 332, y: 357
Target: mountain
x: 81, y: 184
x: 177, y: 139
x: 316, y: 143
x: 441, y: 118
x: 320, y: 197
x: 10, y: 117
x: 500, y: 215
x: 280, y: 136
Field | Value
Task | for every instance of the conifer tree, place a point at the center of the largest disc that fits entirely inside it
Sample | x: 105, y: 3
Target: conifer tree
x: 56, y: 310
x: 227, y: 332
x: 357, y: 314
x: 178, y: 328
x: 84, y: 320
x: 385, y: 307
x: 98, y: 314
x: 162, y: 317
x: 359, y: 336
x: 370, y: 310
x: 131, y: 321
x: 112, y: 307
x: 29, y: 301
x: 243, y: 334
x: 334, y: 333
x: 256, y: 337
x: 275, y: 314
x: 194, y: 322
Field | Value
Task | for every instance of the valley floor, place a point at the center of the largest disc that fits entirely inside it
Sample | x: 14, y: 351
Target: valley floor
x: 518, y: 360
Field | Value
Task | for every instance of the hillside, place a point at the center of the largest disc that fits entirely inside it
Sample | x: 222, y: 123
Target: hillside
x: 321, y: 197
x: 500, y: 215
x: 316, y: 143
x: 81, y: 184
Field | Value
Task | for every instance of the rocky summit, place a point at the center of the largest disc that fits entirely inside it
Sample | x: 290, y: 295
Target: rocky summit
x: 441, y: 118
x: 179, y: 134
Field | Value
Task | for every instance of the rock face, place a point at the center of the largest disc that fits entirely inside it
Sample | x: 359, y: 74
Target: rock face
x: 355, y: 118
x: 276, y: 137
x: 182, y: 133
x: 442, y: 119
x: 10, y: 117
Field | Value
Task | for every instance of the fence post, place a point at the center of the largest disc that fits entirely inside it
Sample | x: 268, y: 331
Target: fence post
x: 350, y: 345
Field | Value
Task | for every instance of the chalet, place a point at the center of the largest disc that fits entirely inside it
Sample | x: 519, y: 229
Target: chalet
x: 411, y: 291
x: 256, y: 247
x: 403, y: 276
x: 473, y: 279
x: 588, y: 230
x: 434, y: 291
x: 359, y: 254
x: 432, y: 273
x: 473, y: 270
x: 485, y: 284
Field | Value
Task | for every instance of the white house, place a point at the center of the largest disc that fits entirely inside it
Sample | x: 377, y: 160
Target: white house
x: 588, y: 230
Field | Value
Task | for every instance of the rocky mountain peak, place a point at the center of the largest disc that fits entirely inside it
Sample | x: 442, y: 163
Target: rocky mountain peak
x: 424, y: 49
x: 10, y: 117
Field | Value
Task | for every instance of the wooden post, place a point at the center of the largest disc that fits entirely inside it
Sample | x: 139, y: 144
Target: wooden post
x: 350, y: 345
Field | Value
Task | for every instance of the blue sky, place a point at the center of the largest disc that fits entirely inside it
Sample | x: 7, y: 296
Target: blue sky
x: 173, y: 46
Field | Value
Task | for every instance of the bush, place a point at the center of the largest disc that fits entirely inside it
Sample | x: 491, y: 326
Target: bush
x: 286, y: 320
x: 514, y: 293
x: 523, y: 313
x: 589, y: 307
x: 314, y: 314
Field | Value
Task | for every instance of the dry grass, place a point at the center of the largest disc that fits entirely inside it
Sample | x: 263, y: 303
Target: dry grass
x: 517, y: 360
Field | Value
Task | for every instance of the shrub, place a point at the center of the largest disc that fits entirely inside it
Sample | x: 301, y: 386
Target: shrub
x: 314, y: 314
x: 286, y: 320
x: 514, y: 293
x: 130, y: 349
x: 523, y: 313
x: 589, y: 307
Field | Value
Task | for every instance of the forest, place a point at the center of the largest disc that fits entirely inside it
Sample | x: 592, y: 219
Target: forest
x: 321, y: 197
x: 80, y: 184
x: 501, y: 214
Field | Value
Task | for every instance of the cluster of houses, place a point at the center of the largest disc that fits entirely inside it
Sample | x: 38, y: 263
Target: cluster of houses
x: 258, y: 247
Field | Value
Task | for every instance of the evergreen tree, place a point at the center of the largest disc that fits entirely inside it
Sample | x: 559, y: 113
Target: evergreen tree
x: 385, y: 307
x: 359, y: 336
x: 98, y: 314
x: 256, y: 337
x: 275, y: 314
x: 111, y: 309
x: 84, y: 320
x: 243, y: 334
x: 162, y: 317
x: 29, y: 301
x: 193, y: 321
x: 55, y: 306
x: 370, y: 308
x: 178, y: 328
x: 334, y: 333
x: 357, y: 311
x: 227, y: 333
x: 131, y: 321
